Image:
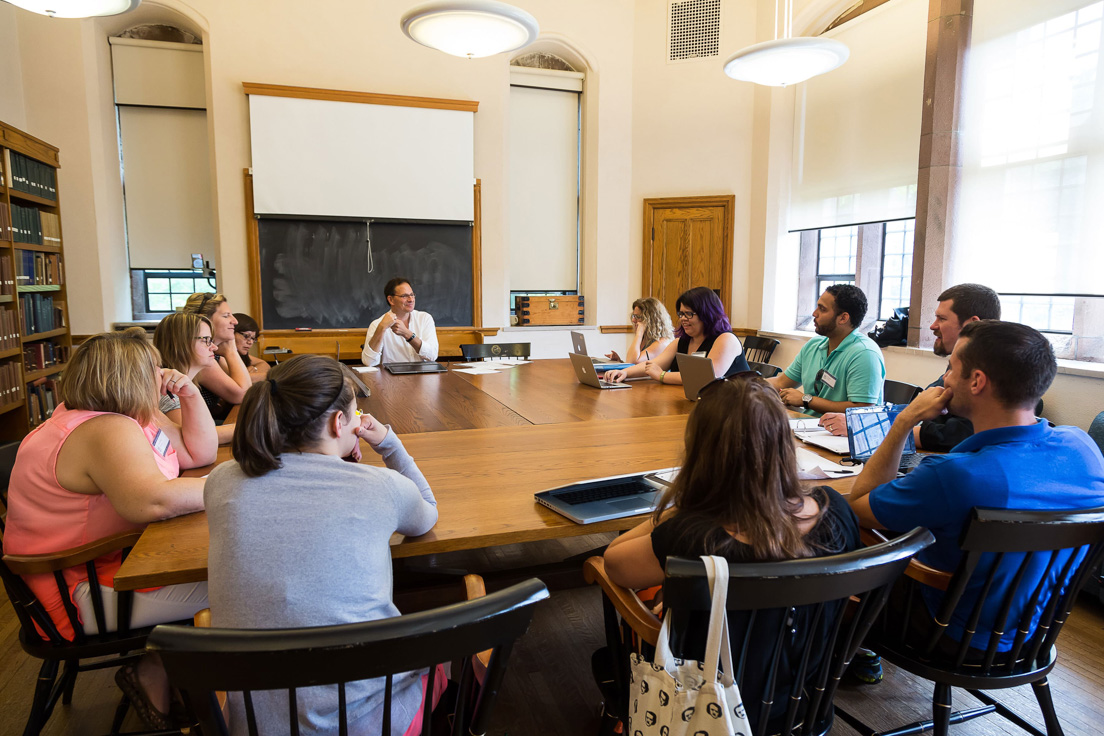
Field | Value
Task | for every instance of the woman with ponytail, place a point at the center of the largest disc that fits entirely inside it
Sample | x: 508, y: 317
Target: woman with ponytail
x: 300, y: 538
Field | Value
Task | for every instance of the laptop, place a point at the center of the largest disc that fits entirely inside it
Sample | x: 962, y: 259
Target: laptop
x: 578, y: 345
x: 867, y: 427
x: 696, y: 372
x: 604, y: 498
x: 402, y: 369
x: 587, y: 372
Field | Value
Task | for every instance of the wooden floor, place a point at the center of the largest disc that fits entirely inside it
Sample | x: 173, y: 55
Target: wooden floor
x: 549, y: 689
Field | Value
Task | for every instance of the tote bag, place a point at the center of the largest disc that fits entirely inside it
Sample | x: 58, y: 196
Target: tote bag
x: 676, y: 697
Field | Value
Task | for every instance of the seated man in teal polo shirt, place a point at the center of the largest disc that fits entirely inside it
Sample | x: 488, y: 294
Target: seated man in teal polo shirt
x: 998, y: 372
x: 842, y: 367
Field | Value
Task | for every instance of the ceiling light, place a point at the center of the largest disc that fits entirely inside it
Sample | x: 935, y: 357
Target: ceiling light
x: 76, y: 8
x: 786, y: 60
x: 470, y: 28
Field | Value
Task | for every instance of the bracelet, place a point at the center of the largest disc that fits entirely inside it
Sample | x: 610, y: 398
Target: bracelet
x: 411, y: 338
x: 662, y: 376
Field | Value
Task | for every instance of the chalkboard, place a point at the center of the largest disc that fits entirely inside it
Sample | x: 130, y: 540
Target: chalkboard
x: 327, y: 274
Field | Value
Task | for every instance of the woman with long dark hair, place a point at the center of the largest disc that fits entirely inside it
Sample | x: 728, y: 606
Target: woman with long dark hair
x: 300, y: 538
x: 703, y: 330
x: 737, y: 495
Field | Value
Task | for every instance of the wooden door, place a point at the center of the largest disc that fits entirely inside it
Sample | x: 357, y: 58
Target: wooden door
x: 687, y: 243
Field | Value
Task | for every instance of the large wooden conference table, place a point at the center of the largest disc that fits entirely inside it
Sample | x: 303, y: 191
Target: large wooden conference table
x: 485, y: 443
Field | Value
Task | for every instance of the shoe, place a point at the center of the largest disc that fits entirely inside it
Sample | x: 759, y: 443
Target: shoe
x: 127, y: 680
x: 866, y: 668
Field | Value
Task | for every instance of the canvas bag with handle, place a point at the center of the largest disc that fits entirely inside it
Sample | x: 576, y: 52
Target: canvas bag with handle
x: 674, y: 697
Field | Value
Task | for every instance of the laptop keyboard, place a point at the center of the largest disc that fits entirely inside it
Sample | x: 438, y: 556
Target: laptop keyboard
x: 614, y: 489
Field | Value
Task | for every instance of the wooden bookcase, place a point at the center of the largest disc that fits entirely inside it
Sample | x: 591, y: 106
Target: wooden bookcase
x: 22, y: 287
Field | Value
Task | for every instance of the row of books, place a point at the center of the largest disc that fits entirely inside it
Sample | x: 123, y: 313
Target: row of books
x: 5, y: 222
x: 41, y: 400
x: 7, y: 278
x: 11, y: 383
x: 32, y: 225
x: 32, y: 177
x: 40, y: 355
x: 9, y: 330
x: 40, y: 314
x: 38, y: 268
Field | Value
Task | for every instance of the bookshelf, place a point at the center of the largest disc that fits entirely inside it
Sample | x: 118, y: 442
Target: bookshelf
x: 34, y: 319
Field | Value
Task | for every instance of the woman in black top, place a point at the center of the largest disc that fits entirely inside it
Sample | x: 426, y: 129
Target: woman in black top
x: 703, y: 328
x: 738, y: 496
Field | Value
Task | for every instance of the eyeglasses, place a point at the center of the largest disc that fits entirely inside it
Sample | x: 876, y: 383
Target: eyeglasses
x: 403, y: 296
x: 742, y: 376
x: 206, y: 340
x: 687, y: 315
x: 249, y: 336
x: 636, y: 317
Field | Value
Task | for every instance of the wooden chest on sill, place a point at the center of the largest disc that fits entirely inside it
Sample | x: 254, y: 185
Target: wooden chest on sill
x: 549, y: 310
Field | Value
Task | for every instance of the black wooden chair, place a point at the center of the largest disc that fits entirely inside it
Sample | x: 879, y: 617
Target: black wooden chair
x: 759, y: 349
x: 8, y: 451
x: 85, y: 652
x: 201, y: 662
x: 766, y: 370
x: 1042, y: 550
x: 792, y: 615
x: 899, y: 392
x: 494, y: 351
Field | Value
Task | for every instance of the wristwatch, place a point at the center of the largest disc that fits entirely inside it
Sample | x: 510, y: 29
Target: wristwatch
x: 411, y: 338
x: 805, y: 400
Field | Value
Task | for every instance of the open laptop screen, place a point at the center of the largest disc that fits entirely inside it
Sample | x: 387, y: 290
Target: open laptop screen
x: 867, y: 427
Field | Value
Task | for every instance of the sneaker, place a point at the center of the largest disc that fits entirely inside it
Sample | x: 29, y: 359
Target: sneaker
x: 866, y: 667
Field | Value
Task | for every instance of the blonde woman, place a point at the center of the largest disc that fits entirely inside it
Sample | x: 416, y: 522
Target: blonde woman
x: 186, y: 345
x: 652, y: 332
x: 224, y: 384
x: 107, y: 461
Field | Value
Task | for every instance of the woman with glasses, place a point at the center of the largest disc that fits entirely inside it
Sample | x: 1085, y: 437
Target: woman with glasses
x: 246, y: 332
x: 737, y: 495
x: 652, y: 332
x: 223, y: 384
x: 703, y: 330
x: 185, y: 343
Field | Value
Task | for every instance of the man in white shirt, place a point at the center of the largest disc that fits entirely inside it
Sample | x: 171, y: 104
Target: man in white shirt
x: 402, y: 334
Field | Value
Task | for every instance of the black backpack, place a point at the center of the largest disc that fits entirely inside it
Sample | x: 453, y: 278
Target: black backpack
x: 894, y: 331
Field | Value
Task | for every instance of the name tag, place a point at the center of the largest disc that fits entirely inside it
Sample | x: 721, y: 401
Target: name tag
x: 699, y: 354
x: 828, y: 379
x: 161, y: 443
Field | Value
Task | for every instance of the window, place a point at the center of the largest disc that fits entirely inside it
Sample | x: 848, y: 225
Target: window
x: 896, y: 266
x: 160, y: 292
x: 1044, y: 313
x: 836, y: 257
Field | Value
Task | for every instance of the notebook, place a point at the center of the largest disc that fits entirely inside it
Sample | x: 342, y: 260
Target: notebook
x: 604, y: 498
x: 419, y: 367
x: 696, y: 372
x: 578, y: 344
x: 587, y: 373
x: 867, y: 427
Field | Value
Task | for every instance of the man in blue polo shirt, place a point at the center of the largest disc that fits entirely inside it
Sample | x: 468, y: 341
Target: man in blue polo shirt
x: 842, y: 367
x: 997, y: 373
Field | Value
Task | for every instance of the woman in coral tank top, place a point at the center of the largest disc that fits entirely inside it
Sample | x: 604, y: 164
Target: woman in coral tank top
x: 108, y: 461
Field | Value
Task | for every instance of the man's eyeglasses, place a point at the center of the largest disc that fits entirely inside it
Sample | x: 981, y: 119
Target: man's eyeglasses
x: 404, y: 296
x: 687, y: 315
x: 741, y: 376
x: 249, y: 336
x: 206, y: 340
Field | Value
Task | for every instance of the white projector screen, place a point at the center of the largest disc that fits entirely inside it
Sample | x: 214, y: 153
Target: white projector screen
x: 348, y: 159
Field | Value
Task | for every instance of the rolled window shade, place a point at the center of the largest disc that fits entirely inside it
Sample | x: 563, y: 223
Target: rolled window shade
x: 544, y: 189
x: 157, y: 73
x: 1030, y: 219
x: 857, y: 129
x: 168, y: 185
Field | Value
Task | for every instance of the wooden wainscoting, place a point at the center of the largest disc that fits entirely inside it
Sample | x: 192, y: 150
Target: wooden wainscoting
x: 348, y: 342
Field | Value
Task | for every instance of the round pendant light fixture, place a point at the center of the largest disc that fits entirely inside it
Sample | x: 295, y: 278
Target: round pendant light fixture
x: 470, y: 28
x: 76, y: 8
x: 786, y: 60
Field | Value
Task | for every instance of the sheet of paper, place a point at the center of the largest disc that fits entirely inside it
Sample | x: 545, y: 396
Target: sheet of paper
x: 828, y: 441
x: 810, y: 465
x: 476, y: 371
x: 506, y: 363
x: 365, y: 368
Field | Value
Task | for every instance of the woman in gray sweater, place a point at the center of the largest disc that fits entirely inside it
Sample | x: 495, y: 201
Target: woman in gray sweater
x: 301, y: 538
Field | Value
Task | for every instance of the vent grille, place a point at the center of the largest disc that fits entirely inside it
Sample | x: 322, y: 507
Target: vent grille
x: 694, y: 30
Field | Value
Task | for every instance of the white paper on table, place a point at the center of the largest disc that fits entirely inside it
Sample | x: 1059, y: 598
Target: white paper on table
x: 365, y: 368
x: 810, y: 465
x: 828, y: 441
x: 476, y: 371
x: 506, y: 363
x: 471, y: 365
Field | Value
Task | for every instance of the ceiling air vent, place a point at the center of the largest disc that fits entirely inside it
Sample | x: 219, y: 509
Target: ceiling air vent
x: 693, y: 30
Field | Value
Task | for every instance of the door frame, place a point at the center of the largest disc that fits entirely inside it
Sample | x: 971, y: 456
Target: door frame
x: 725, y: 201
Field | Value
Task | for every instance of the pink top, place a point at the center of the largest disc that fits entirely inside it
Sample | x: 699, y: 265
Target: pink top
x: 44, y: 518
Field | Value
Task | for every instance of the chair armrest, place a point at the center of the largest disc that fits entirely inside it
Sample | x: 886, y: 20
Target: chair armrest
x: 49, y: 563
x: 202, y: 619
x: 916, y: 570
x: 474, y: 588
x: 628, y: 606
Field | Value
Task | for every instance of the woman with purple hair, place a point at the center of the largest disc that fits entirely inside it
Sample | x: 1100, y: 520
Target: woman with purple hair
x: 703, y: 330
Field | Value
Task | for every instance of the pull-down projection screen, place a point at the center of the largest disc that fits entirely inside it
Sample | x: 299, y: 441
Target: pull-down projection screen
x: 318, y: 158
